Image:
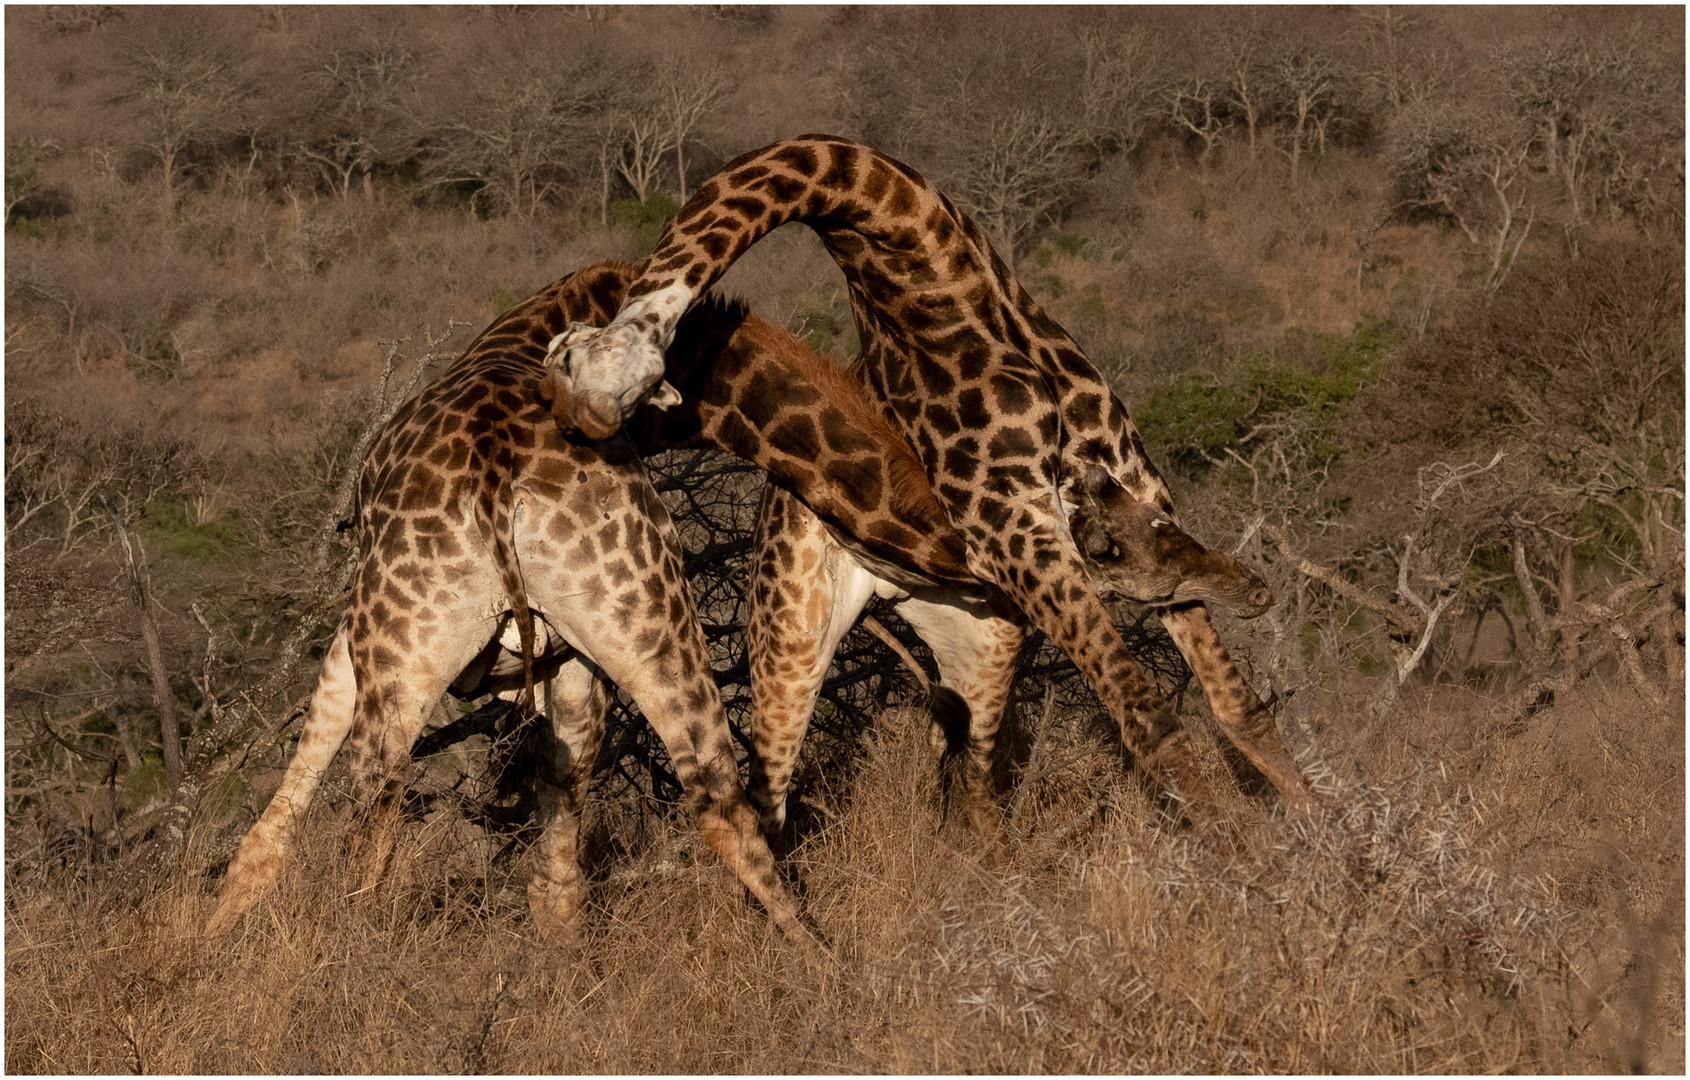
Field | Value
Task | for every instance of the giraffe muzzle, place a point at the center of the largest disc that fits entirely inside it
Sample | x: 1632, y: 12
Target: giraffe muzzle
x: 595, y: 415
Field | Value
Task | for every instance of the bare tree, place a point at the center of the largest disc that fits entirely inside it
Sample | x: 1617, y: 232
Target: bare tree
x: 1470, y: 162
x: 643, y: 138
x: 1388, y: 29
x: 1192, y: 106
x: 181, y: 87
x: 1015, y: 171
x: 689, y: 90
x: 514, y: 128
x: 1245, y: 78
x: 360, y: 76
x: 140, y: 595
x: 1593, y: 105
x: 1119, y: 86
x: 1304, y: 85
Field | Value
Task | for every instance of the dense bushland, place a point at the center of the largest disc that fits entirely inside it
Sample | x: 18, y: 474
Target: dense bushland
x: 1396, y: 295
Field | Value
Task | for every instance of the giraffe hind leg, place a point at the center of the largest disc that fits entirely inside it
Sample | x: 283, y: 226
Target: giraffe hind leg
x: 575, y: 701
x: 392, y: 703
x: 270, y: 842
x: 805, y: 593
x: 975, y: 645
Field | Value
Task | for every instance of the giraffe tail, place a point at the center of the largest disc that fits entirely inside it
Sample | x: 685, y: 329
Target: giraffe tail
x: 498, y: 523
x: 950, y: 709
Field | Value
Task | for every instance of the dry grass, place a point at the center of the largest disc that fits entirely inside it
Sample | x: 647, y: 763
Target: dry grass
x: 1479, y: 897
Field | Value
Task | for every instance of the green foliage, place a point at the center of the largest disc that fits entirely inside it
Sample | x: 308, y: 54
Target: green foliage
x: 1069, y: 243
x: 1303, y: 382
x: 98, y: 724
x: 168, y: 524
x: 503, y: 300
x: 818, y: 329
x: 1048, y: 286
x: 142, y: 783
x: 645, y: 220
x: 1090, y: 304
x: 1065, y: 243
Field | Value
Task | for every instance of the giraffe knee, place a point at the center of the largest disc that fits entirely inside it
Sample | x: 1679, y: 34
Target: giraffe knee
x: 771, y: 816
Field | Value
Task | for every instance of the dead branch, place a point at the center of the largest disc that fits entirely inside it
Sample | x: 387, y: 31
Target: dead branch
x: 1332, y: 580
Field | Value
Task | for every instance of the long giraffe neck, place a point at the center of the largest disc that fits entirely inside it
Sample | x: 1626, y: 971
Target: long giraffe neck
x: 757, y: 393
x: 930, y: 296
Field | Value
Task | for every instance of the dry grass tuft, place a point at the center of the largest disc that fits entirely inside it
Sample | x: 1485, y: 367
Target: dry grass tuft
x: 1488, y: 909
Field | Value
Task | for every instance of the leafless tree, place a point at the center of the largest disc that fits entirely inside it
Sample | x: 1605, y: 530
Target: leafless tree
x: 360, y: 76
x: 181, y: 86
x: 1018, y: 167
x: 134, y: 563
x: 513, y: 128
x: 1119, y: 86
x: 1192, y: 106
x: 1304, y: 85
x: 1588, y: 102
x: 1245, y: 78
x: 689, y: 90
x: 1426, y: 567
x: 1470, y: 161
x: 1389, y: 28
x: 643, y: 138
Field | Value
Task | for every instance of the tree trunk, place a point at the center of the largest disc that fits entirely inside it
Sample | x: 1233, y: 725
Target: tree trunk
x: 169, y: 736
x: 604, y: 185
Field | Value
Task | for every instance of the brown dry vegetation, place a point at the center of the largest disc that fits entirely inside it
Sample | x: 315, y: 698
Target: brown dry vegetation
x: 1310, y: 321
x: 1440, y: 918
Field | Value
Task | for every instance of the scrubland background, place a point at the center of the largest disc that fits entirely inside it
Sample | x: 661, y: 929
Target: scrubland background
x: 1396, y: 296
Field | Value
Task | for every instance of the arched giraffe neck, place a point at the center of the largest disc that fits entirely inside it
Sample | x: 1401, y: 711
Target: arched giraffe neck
x: 759, y: 394
x: 934, y: 305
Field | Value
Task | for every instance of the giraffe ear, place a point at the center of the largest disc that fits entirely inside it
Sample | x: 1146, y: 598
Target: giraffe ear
x: 663, y: 395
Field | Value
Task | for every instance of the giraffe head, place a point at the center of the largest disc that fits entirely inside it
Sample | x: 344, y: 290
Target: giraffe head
x: 600, y: 374
x: 1136, y: 552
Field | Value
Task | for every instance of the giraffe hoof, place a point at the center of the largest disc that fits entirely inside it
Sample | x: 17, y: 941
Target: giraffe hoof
x: 555, y: 910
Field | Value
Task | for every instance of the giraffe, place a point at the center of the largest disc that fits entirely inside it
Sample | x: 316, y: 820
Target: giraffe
x: 797, y: 621
x: 777, y: 408
x: 471, y: 503
x: 1006, y: 413
x: 475, y: 514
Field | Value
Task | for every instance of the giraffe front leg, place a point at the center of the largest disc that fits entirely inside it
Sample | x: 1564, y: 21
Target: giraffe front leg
x: 575, y: 703
x: 270, y: 842
x: 1059, y: 599
x: 1242, y: 715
